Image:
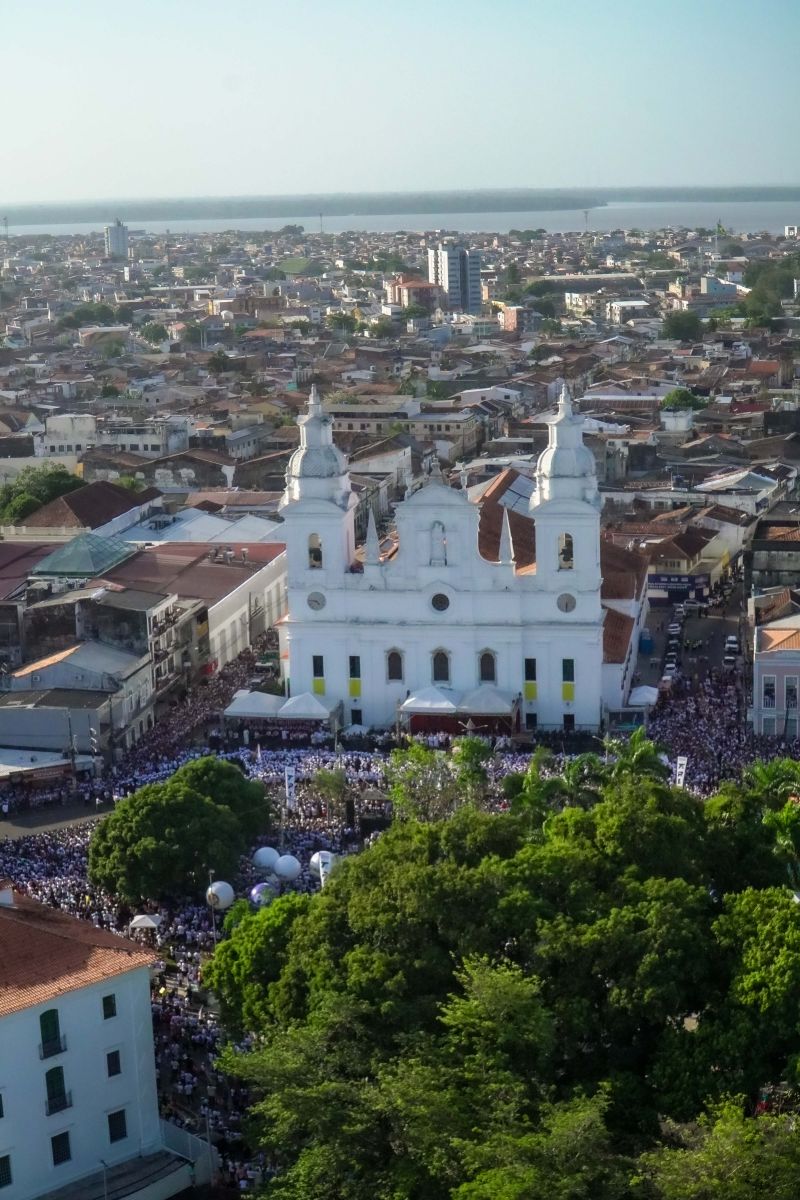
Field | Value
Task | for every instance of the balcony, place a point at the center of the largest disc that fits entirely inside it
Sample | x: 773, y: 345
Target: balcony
x: 57, y: 1104
x: 54, y: 1046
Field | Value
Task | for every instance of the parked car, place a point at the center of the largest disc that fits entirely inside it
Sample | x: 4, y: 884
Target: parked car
x: 674, y: 629
x: 732, y: 643
x: 729, y: 662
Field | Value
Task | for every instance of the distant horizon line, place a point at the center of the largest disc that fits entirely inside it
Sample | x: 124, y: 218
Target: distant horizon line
x: 604, y: 190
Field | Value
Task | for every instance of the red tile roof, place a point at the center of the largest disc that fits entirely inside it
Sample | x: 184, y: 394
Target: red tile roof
x: 617, y: 630
x: 45, y: 952
x: 87, y: 507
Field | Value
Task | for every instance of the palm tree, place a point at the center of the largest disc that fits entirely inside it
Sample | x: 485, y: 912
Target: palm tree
x: 637, y: 756
x: 583, y: 778
x: 785, y: 824
x: 772, y: 783
x: 538, y: 793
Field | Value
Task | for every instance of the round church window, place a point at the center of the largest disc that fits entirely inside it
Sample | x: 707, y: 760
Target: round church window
x: 440, y: 602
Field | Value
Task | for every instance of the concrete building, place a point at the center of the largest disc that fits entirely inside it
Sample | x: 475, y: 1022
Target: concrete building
x: 457, y: 272
x: 78, y: 1099
x: 776, y: 678
x: 116, y: 240
x: 492, y: 611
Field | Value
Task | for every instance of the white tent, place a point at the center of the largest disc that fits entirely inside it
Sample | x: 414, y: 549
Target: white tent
x: 430, y: 700
x: 487, y: 701
x: 307, y: 707
x: 145, y: 921
x: 642, y: 697
x: 254, y: 705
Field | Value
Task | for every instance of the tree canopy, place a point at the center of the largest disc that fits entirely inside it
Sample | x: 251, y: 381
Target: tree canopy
x: 682, y: 398
x: 33, y: 487
x: 162, y: 841
x: 523, y: 1004
x: 683, y: 326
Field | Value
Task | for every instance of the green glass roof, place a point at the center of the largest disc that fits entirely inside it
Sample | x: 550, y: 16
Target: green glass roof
x: 85, y: 556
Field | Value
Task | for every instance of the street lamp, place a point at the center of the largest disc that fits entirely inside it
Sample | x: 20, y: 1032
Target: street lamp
x: 104, y: 1165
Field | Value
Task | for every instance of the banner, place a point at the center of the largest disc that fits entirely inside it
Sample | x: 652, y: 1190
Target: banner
x: 680, y: 770
x: 289, y: 778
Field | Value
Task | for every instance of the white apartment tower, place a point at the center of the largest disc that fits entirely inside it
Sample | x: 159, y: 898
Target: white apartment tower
x: 457, y: 271
x: 116, y: 237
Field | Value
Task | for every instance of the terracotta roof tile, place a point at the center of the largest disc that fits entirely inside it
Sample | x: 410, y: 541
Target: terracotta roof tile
x: 45, y: 952
x: 617, y: 629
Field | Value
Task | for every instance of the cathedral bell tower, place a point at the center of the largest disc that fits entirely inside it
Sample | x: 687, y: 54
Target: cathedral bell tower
x: 565, y: 508
x: 318, y: 503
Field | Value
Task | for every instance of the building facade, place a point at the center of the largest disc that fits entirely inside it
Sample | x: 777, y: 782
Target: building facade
x: 461, y: 616
x: 457, y: 273
x: 116, y: 240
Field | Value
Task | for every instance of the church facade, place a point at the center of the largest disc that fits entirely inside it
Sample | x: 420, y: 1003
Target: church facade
x: 482, y: 610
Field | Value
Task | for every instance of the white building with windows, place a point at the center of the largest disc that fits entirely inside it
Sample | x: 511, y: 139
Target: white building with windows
x: 78, y: 1101
x: 504, y: 609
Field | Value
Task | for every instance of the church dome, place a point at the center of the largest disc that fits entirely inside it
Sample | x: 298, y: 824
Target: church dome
x: 317, y: 462
x: 566, y: 462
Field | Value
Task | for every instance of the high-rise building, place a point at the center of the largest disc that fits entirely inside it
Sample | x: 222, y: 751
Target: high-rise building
x: 457, y: 271
x: 116, y: 240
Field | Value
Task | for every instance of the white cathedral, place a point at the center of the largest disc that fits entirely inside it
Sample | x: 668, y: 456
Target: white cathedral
x: 500, y: 611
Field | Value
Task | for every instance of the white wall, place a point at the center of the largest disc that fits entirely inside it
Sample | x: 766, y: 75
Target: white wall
x: 26, y: 1129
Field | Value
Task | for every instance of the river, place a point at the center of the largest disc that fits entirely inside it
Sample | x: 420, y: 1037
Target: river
x: 741, y: 216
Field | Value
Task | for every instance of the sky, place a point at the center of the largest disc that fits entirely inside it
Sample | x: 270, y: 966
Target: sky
x: 156, y: 98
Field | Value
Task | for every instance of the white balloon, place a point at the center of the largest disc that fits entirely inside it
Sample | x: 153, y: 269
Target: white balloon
x: 287, y: 867
x: 321, y: 860
x: 266, y: 857
x: 220, y: 895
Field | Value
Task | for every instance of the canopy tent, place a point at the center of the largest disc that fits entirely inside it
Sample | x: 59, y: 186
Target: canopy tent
x: 641, y: 697
x: 254, y: 706
x: 307, y: 707
x: 145, y: 921
x: 487, y: 701
x: 430, y: 701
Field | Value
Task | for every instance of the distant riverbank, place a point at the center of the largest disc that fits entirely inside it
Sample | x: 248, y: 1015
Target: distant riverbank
x: 739, y: 209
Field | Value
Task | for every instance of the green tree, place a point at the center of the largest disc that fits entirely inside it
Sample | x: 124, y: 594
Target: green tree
x: 332, y: 786
x: 414, y: 310
x: 225, y: 783
x: 161, y: 843
x: 727, y: 1156
x: 42, y: 484
x: 682, y: 398
x: 154, y: 332
x: 342, y: 322
x: 218, y: 363
x: 682, y: 326
x: 22, y: 505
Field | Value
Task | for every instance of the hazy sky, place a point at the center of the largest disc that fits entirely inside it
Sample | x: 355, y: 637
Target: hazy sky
x: 233, y: 97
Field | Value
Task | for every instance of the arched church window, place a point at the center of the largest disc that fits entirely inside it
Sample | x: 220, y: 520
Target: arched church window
x: 488, y: 667
x: 394, y: 666
x: 438, y: 545
x: 566, y: 559
x: 314, y: 550
x: 441, y: 666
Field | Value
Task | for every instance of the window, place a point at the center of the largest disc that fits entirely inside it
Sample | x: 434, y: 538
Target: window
x: 52, y: 1041
x: 355, y: 716
x: 113, y: 1063
x: 109, y: 1006
x: 57, y: 1095
x: 488, y: 667
x: 317, y: 666
x: 769, y: 692
x: 565, y: 555
x: 569, y: 722
x: 2, y: 1114
x: 59, y: 1146
x: 530, y: 670
x: 568, y: 670
x: 791, y: 692
x: 440, y: 602
x: 441, y: 667
x: 314, y: 551
x: 394, y: 666
x: 530, y: 720
x: 5, y: 1170
x: 117, y: 1126
x: 355, y: 666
